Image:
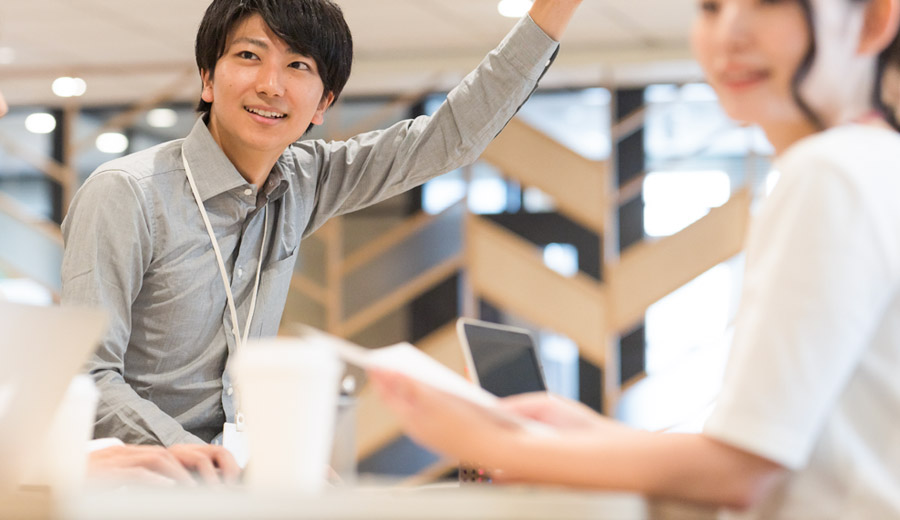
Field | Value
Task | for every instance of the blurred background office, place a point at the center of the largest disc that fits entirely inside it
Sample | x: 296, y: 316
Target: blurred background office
x: 608, y: 217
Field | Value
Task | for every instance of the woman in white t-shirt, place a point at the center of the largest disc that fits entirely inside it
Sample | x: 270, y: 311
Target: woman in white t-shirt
x: 808, y: 421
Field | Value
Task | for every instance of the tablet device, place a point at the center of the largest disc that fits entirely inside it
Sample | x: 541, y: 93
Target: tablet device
x: 501, y: 359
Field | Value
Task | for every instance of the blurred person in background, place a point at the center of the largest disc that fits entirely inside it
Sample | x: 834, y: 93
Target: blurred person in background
x: 807, y: 424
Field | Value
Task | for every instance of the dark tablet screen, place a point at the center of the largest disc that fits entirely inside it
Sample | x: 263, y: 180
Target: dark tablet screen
x: 505, y: 361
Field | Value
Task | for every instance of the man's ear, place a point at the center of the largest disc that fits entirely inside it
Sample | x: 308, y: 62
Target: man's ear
x: 319, y: 116
x: 207, y: 93
x: 882, y: 19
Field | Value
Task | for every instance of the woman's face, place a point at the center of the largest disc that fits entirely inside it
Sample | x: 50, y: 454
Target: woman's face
x: 750, y: 51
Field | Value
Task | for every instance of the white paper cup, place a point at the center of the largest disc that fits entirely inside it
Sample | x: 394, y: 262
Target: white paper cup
x: 287, y: 392
x: 63, y: 460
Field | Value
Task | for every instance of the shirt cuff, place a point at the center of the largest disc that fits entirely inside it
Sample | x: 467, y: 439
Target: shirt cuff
x: 529, y: 49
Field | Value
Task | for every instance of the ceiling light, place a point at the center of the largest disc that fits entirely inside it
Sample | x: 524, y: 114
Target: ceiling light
x: 162, y: 118
x: 514, y: 8
x: 40, y: 123
x: 112, y: 142
x: 7, y: 55
x: 69, y: 87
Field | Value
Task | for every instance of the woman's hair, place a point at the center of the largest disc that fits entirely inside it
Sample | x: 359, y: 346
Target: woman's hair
x: 889, y: 57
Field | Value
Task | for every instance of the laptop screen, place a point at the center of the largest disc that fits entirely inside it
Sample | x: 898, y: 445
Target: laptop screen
x: 505, y: 360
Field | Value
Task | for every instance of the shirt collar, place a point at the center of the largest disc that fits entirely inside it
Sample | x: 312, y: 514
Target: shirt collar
x: 277, y: 183
x: 212, y: 171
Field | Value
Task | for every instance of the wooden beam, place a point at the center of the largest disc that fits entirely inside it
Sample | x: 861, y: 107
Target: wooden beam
x: 15, y: 272
x: 71, y: 112
x: 577, y: 184
x: 629, y: 125
x: 377, y: 426
x: 332, y: 233
x: 400, y: 297
x: 631, y: 190
x: 96, y: 69
x: 128, y: 117
x: 649, y: 271
x: 384, y: 112
x: 14, y: 209
x: 46, y: 165
x: 309, y: 288
x: 510, y: 273
x: 397, y: 234
x: 430, y: 474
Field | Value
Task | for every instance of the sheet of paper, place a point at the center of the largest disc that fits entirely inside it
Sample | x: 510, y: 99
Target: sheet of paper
x: 412, y: 362
x: 408, y: 360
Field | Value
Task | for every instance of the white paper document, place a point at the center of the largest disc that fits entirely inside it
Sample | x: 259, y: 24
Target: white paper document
x: 408, y: 360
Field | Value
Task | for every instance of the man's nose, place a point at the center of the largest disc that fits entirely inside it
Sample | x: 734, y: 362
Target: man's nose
x: 270, y: 80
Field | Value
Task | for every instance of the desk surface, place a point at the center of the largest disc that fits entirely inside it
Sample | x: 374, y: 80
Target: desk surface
x: 347, y: 504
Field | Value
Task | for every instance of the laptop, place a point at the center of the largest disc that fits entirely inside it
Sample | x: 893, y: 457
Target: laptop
x: 41, y: 350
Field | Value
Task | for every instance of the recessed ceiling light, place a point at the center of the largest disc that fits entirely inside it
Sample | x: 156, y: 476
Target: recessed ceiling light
x: 7, y: 55
x: 69, y: 87
x: 112, y: 142
x: 162, y: 118
x: 514, y: 8
x: 40, y: 123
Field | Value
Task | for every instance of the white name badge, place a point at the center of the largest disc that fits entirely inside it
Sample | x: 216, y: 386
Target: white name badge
x: 236, y: 442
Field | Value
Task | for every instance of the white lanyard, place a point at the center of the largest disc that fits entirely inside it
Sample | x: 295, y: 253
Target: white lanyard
x: 240, y: 340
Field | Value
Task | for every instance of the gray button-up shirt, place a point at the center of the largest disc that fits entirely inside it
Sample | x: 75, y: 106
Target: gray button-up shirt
x: 137, y: 246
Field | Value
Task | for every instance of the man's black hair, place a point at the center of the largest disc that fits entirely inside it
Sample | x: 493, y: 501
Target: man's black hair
x: 314, y: 28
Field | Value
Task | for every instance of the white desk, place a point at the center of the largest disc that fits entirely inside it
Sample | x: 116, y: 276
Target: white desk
x: 491, y: 503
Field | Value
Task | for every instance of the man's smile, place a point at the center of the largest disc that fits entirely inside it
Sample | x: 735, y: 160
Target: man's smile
x: 265, y: 113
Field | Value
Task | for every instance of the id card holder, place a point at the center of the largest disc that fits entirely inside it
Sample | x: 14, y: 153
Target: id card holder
x: 236, y: 442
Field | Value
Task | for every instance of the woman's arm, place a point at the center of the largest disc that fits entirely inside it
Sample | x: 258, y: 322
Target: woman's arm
x: 688, y: 467
x: 582, y: 449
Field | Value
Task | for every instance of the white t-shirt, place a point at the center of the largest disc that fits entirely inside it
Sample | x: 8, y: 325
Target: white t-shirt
x: 813, y: 381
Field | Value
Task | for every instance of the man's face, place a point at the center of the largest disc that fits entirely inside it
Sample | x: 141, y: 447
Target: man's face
x: 263, y: 94
x: 3, y: 108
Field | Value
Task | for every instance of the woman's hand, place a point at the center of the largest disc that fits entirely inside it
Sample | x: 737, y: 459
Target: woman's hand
x: 446, y: 423
x: 563, y: 414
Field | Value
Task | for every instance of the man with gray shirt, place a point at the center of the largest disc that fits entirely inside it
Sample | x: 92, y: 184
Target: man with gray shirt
x: 191, y: 245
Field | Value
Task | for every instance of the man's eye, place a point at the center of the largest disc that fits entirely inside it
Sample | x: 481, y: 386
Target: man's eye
x: 709, y: 6
x: 247, y: 55
x: 299, y: 65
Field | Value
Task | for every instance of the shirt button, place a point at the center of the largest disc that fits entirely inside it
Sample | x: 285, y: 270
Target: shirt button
x: 240, y: 419
x: 248, y: 192
x: 240, y: 272
x: 230, y: 391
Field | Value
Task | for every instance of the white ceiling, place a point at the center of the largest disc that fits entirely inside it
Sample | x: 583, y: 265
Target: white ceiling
x: 132, y: 50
